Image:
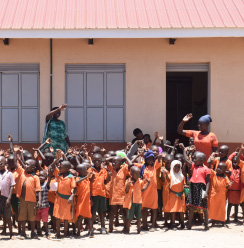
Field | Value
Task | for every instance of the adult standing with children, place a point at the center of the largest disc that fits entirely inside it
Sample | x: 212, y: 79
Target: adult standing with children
x: 204, y: 140
x: 55, y: 129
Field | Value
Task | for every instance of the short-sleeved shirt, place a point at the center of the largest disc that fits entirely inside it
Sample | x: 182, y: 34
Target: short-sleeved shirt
x: 44, y: 195
x: 203, y: 143
x: 216, y: 162
x: 98, y: 185
x: 135, y: 194
x: 6, y: 182
x: 32, y: 185
x: 16, y: 179
x: 199, y: 174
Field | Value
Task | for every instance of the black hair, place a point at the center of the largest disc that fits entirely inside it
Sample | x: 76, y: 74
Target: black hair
x: 136, y: 131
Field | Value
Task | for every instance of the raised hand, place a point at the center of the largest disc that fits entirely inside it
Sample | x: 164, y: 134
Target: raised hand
x: 187, y: 117
x: 48, y: 141
x: 16, y: 148
x: 181, y: 145
x: 63, y: 107
x: 156, y: 135
x: 10, y: 139
x: 161, y: 138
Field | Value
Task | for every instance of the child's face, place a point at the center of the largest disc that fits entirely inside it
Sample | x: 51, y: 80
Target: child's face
x: 168, y: 163
x: 146, y: 139
x: 197, y: 160
x: 116, y: 162
x: 82, y: 172
x: 155, y: 151
x: 63, y: 168
x: 135, y: 175
x: 176, y: 168
x: 150, y: 161
x: 221, y: 169
x: 97, y: 161
x: 223, y: 152
x: 30, y: 166
x: 42, y: 177
x: 191, y: 141
x: 139, y: 136
x: 57, y: 115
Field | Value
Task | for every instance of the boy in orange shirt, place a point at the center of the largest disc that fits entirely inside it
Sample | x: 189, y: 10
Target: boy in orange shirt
x: 65, y: 193
x: 28, y: 185
x: 119, y: 172
x: 222, y: 156
x: 133, y: 199
x: 99, y: 179
x: 83, y: 205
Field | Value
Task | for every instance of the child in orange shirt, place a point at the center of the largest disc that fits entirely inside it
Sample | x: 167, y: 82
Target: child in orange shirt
x: 222, y: 156
x: 119, y: 172
x: 133, y: 199
x: 83, y: 205
x: 234, y: 192
x: 176, y: 200
x: 28, y: 185
x: 219, y: 184
x: 150, y: 197
x: 165, y: 177
x: 99, y: 179
x: 65, y: 194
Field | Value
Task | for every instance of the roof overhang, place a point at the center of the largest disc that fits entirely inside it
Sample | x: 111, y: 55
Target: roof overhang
x: 122, y: 33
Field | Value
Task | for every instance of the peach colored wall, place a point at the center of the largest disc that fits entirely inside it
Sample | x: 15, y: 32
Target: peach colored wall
x: 145, y: 61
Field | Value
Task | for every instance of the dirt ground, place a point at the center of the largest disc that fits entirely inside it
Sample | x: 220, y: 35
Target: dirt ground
x: 231, y: 235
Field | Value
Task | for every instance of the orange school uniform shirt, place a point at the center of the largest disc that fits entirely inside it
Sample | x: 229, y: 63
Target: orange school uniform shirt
x: 241, y: 165
x: 150, y: 196
x: 176, y: 204
x: 32, y: 185
x: 62, y: 209
x: 217, y: 196
x: 83, y: 204
x: 16, y: 179
x: 98, y: 185
x: 159, y: 181
x: 166, y: 185
x: 216, y: 162
x: 135, y: 194
x: 203, y: 143
x: 117, y: 188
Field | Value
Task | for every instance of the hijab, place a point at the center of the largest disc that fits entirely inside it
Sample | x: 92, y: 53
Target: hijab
x: 175, y: 177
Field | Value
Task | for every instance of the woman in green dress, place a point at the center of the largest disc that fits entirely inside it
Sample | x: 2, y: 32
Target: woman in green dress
x: 55, y: 130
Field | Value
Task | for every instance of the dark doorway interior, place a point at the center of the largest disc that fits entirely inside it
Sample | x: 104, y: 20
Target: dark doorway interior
x: 186, y: 92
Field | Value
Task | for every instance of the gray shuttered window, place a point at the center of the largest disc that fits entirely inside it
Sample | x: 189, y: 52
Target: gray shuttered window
x: 19, y: 105
x: 181, y: 67
x: 95, y: 95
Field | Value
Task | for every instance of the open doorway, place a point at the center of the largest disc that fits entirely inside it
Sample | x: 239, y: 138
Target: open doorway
x: 186, y: 92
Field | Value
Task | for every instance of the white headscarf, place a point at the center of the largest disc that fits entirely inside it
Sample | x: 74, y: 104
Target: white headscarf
x: 176, y: 177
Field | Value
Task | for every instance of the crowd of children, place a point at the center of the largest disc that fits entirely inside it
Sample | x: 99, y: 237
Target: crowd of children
x: 146, y: 180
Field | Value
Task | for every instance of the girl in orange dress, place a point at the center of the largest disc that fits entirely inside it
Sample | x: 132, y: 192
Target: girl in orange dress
x: 83, y: 205
x: 119, y: 171
x: 150, y: 196
x: 165, y: 177
x: 219, y: 184
x: 234, y: 192
x: 65, y: 196
x: 176, y: 200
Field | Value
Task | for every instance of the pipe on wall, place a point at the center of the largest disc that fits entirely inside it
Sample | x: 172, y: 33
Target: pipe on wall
x: 51, y: 74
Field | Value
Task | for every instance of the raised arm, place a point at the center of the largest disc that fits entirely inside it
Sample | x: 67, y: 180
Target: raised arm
x: 181, y: 125
x: 239, y: 153
x: 10, y: 139
x: 188, y: 162
x: 49, y: 116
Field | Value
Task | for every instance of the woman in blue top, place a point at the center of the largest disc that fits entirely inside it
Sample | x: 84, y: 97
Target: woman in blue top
x: 55, y: 129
